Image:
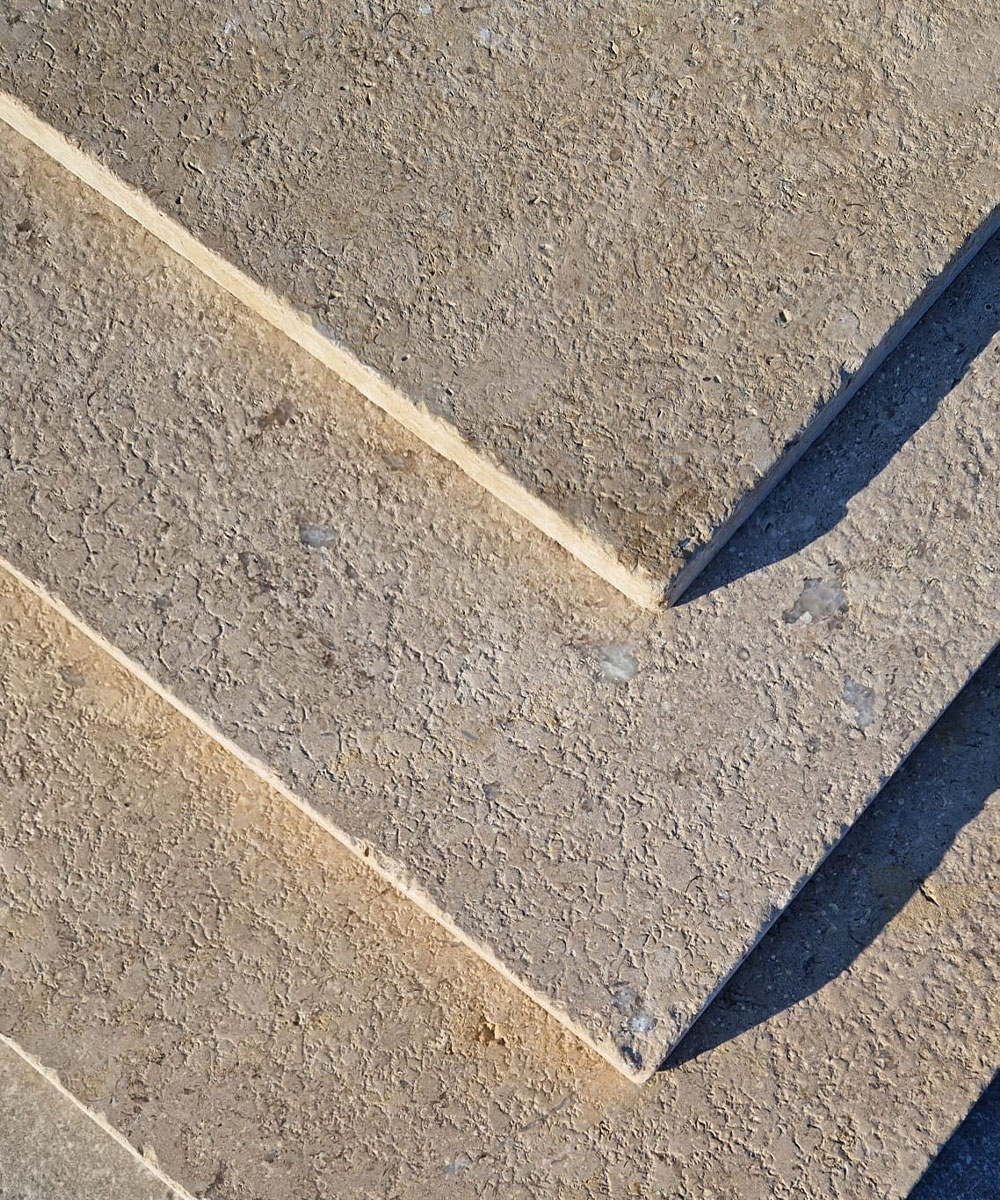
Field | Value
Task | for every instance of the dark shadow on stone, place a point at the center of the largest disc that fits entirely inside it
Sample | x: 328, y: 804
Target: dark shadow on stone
x: 900, y: 397
x: 882, y: 861
x: 968, y: 1165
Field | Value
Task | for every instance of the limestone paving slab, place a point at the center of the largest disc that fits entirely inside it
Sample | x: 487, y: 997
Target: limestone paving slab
x: 620, y: 261
x: 242, y: 996
x: 50, y: 1148
x: 610, y: 804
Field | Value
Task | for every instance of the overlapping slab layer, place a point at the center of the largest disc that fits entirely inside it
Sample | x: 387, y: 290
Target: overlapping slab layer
x: 235, y: 991
x: 610, y: 805
x: 50, y: 1148
x: 620, y: 262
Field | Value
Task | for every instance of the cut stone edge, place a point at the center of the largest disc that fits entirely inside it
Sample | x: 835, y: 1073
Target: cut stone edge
x: 385, y: 867
x: 53, y: 1080
x: 637, y: 584
x: 832, y: 409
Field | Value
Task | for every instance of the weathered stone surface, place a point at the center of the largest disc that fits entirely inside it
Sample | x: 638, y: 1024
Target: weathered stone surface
x: 200, y: 961
x: 50, y: 1150
x: 610, y: 804
x: 617, y: 260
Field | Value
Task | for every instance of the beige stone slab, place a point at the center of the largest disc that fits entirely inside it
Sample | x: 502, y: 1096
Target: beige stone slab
x: 50, y: 1149
x: 611, y: 805
x: 237, y: 992
x: 620, y: 260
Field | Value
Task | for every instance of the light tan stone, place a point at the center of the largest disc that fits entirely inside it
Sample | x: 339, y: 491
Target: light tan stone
x: 611, y: 805
x: 619, y: 260
x: 240, y: 995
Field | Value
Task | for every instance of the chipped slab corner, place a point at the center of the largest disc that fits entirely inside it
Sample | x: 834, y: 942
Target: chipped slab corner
x: 384, y: 1033
x: 625, y: 1004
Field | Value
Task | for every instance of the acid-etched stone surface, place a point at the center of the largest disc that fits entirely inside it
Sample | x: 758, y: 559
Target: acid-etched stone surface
x: 633, y: 253
x: 203, y: 963
x: 49, y: 1148
x: 612, y: 804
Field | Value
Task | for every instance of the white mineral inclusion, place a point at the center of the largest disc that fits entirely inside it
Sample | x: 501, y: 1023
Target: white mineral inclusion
x: 316, y: 538
x: 617, y: 663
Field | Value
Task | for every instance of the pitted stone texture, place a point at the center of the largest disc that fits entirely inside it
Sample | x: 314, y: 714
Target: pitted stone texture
x: 633, y: 253
x: 612, y: 803
x: 237, y: 992
x: 50, y: 1150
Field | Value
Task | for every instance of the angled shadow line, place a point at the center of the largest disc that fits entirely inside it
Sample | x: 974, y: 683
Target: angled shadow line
x: 881, y: 863
x: 975, y: 1144
x: 900, y: 397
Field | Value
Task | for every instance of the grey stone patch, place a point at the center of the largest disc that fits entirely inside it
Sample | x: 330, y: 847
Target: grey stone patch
x: 861, y: 700
x: 818, y: 601
x: 317, y: 538
x: 642, y: 1023
x: 635, y: 1022
x: 616, y: 663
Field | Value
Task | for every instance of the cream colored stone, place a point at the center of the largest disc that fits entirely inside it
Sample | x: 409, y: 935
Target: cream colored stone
x: 200, y: 962
x: 610, y: 805
x: 621, y: 261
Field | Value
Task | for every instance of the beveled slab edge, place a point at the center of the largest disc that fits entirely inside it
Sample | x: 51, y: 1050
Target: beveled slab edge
x: 53, y: 1081
x: 386, y: 868
x: 637, y: 584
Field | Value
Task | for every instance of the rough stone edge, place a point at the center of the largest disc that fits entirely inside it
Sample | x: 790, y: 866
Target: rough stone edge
x: 638, y: 585
x: 898, y: 1189
x: 386, y: 868
x: 53, y: 1080
x: 136, y: 206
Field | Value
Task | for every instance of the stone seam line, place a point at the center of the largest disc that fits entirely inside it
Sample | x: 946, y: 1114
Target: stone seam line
x: 392, y: 872
x: 387, y: 868
x: 638, y: 585
x: 99, y: 1119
